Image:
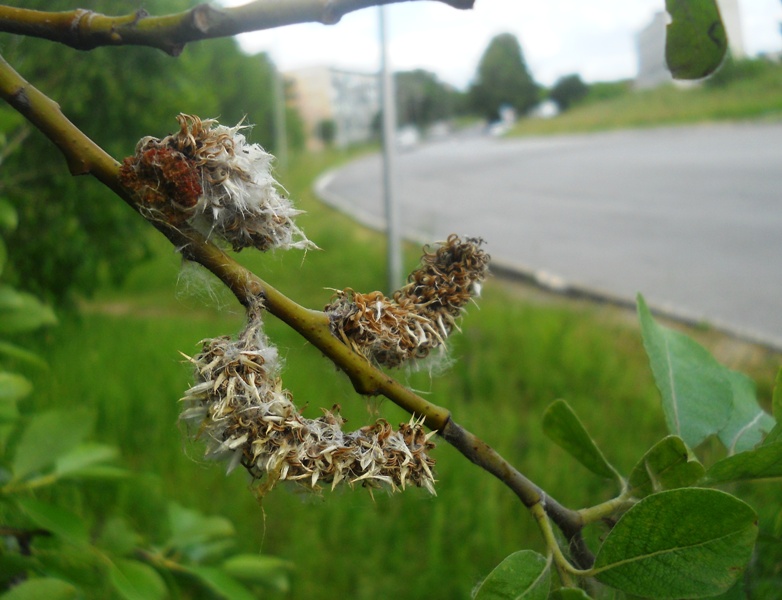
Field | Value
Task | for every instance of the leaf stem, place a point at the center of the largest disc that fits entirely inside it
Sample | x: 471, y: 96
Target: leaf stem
x: 606, y: 509
x: 565, y: 570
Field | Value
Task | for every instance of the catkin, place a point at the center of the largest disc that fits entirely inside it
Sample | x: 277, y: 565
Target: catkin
x: 421, y: 315
x: 208, y: 176
x: 246, y: 417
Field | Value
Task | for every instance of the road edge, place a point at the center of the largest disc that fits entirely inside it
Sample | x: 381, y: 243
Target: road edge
x: 547, y: 281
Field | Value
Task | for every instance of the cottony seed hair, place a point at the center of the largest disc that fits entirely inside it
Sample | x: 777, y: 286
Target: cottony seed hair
x: 208, y: 176
x: 421, y: 315
x: 247, y: 418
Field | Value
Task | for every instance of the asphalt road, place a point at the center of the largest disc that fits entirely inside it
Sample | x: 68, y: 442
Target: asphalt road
x: 691, y: 217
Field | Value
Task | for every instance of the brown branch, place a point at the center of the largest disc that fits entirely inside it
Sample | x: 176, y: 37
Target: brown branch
x: 86, y: 157
x: 86, y: 29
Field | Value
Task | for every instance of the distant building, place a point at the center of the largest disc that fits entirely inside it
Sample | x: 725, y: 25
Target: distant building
x: 350, y: 99
x: 650, y: 44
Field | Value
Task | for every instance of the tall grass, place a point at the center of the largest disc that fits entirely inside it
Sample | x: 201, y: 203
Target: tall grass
x: 516, y: 354
x: 743, y: 91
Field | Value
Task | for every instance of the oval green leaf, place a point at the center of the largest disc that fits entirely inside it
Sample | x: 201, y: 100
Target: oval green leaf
x: 8, y: 216
x: 524, y: 575
x: 667, y: 465
x: 696, y: 394
x: 135, y: 580
x: 570, y: 594
x: 3, y: 255
x: 761, y: 463
x: 48, y: 436
x: 20, y: 311
x: 82, y: 458
x: 117, y: 537
x: 221, y: 583
x: 13, y: 387
x: 776, y: 398
x: 192, y: 528
x: 256, y: 568
x: 696, y: 42
x: 20, y: 354
x: 681, y: 543
x: 45, y: 587
x: 748, y: 423
x: 565, y: 429
x: 55, y: 519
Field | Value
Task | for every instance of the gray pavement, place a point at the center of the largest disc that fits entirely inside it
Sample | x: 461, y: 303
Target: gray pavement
x: 691, y: 217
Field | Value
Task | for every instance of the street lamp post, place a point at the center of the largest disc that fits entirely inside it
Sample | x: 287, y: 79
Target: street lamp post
x: 388, y: 110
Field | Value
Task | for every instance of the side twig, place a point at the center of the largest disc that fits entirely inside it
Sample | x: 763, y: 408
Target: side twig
x: 85, y: 29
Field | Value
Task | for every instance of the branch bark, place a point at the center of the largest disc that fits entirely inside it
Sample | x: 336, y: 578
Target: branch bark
x: 86, y: 157
x: 85, y: 29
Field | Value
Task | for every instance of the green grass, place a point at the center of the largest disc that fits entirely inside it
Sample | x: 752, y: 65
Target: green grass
x: 735, y: 95
x: 119, y: 358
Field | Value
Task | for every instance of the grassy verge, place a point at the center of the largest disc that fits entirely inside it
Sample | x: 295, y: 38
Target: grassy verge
x: 516, y: 354
x: 736, y: 95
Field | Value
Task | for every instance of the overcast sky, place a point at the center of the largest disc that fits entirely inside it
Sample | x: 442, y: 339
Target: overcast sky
x: 558, y: 37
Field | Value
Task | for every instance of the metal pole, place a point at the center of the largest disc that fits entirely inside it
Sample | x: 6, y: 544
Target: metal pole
x: 388, y: 107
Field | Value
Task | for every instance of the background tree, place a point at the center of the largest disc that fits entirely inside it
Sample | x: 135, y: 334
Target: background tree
x: 327, y: 131
x: 568, y: 90
x: 423, y: 99
x: 503, y: 78
x: 86, y: 241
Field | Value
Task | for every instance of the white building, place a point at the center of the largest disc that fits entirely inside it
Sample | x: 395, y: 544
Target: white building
x: 348, y: 98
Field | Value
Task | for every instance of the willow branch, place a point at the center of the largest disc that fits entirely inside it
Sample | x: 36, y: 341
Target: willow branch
x: 85, y: 157
x: 86, y: 29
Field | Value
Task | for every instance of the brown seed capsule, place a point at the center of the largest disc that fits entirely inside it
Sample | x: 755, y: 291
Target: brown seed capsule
x: 389, y: 332
x: 208, y: 176
x: 246, y: 417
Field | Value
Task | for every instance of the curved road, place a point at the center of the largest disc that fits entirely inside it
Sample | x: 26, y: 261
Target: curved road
x: 689, y: 216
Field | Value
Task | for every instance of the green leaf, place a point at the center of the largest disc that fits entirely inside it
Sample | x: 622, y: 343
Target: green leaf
x: 763, y: 462
x: 55, y: 519
x: 696, y: 393
x: 221, y: 583
x: 735, y: 593
x: 135, y: 580
x: 748, y: 423
x: 8, y: 216
x: 695, y: 41
x: 48, y: 436
x: 117, y: 537
x: 102, y: 472
x: 522, y: 575
x: 197, y: 535
x: 3, y: 255
x: 776, y: 398
x: 255, y: 568
x: 15, y: 566
x: 45, y: 587
x: 689, y: 542
x: 13, y: 387
x: 667, y: 465
x: 565, y: 429
x: 20, y: 354
x: 570, y: 594
x: 775, y: 435
x: 82, y: 458
x: 20, y: 311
